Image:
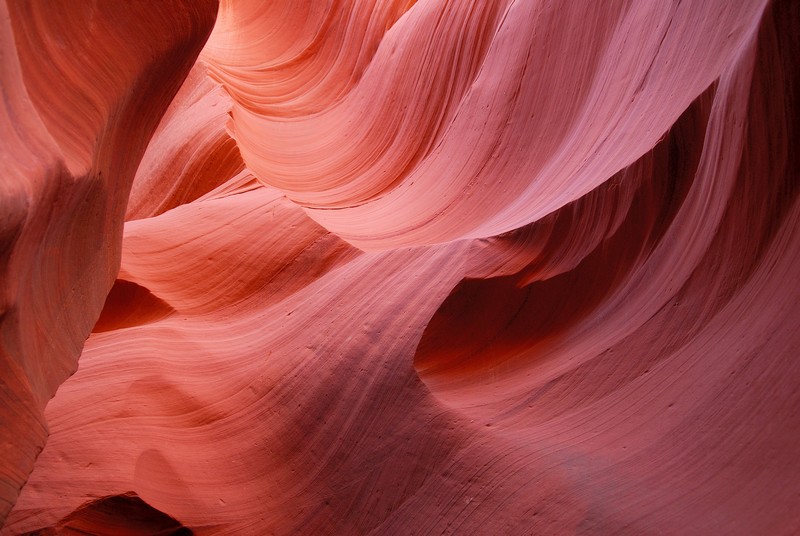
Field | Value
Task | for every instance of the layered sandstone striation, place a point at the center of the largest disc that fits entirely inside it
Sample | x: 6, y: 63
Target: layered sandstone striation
x: 82, y: 95
x: 398, y: 267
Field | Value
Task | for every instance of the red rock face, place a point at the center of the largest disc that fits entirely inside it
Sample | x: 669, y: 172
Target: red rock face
x: 82, y: 95
x: 400, y: 267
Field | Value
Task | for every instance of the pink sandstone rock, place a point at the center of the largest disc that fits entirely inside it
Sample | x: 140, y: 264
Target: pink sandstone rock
x: 82, y: 94
x: 397, y: 267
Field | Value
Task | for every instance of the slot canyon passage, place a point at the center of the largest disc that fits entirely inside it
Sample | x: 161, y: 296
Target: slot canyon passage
x: 398, y: 267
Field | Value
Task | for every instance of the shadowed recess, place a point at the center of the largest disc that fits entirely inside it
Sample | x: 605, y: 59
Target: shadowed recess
x: 120, y: 515
x: 129, y: 304
x: 561, y: 268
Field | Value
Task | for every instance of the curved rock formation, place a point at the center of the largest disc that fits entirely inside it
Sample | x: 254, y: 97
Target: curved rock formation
x: 82, y: 94
x: 123, y: 515
x: 397, y: 267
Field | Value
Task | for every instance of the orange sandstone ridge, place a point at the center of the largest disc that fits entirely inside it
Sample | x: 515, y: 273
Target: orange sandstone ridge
x: 399, y: 267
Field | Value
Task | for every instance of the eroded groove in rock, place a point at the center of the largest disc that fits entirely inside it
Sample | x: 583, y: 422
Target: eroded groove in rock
x: 352, y: 145
x: 528, y: 290
x: 251, y: 249
x: 556, y: 146
x: 122, y: 515
x: 129, y: 304
x: 178, y: 168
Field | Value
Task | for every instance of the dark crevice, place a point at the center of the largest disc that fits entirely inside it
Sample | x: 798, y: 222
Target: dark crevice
x: 128, y: 305
x: 118, y: 515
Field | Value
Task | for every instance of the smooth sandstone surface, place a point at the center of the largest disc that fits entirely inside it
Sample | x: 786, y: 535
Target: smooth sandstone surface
x: 82, y: 95
x: 400, y: 267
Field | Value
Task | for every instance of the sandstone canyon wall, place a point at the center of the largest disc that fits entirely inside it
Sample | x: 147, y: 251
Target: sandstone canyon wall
x: 400, y: 267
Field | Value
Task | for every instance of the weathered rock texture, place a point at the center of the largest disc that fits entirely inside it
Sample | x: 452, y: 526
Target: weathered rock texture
x: 82, y: 95
x: 397, y: 267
